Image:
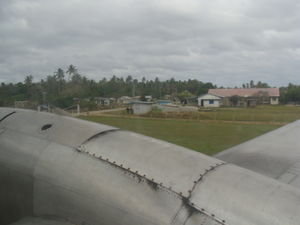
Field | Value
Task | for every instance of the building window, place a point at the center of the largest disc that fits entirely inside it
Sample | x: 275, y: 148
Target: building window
x: 211, y: 101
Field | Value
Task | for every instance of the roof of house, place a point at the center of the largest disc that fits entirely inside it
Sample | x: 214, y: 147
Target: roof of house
x: 125, y: 97
x: 209, y: 96
x: 243, y: 92
x: 141, y: 103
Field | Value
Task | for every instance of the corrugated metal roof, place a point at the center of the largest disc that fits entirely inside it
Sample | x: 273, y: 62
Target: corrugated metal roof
x: 243, y: 92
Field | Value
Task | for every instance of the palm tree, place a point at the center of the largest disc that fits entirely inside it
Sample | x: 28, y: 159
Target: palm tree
x: 28, y: 80
x: 71, y: 71
x: 60, y: 75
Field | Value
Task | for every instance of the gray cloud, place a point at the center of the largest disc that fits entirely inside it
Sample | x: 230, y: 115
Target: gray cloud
x: 227, y: 43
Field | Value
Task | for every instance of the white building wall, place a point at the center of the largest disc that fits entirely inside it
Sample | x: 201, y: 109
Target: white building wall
x: 211, y: 103
x: 274, y: 100
x: 139, y: 109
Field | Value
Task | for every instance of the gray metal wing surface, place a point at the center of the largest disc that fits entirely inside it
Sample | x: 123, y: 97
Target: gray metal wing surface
x: 275, y: 154
x: 40, y: 221
x: 79, y: 172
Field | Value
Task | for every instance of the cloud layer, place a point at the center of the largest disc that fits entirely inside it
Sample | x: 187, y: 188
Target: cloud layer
x: 225, y: 42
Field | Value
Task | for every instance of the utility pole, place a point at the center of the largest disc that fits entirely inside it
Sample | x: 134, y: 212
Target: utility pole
x: 78, y: 109
x: 44, y: 101
x: 44, y: 97
x: 133, y: 89
x: 77, y: 101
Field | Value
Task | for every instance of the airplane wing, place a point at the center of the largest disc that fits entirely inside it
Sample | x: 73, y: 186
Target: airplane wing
x: 275, y: 154
x: 40, y: 221
x: 86, y: 173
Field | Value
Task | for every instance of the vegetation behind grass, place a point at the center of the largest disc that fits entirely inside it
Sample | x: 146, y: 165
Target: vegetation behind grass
x: 204, y: 136
x: 269, y: 114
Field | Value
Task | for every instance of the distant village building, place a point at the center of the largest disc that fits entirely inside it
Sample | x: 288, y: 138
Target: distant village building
x: 242, y: 96
x: 124, y: 100
x: 141, y: 107
x: 101, y: 101
x: 209, y: 100
x: 148, y: 98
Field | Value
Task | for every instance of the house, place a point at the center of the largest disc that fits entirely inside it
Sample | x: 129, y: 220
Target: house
x: 209, y: 100
x: 141, y: 107
x: 104, y: 101
x: 148, y: 98
x: 124, y: 100
x: 246, y: 96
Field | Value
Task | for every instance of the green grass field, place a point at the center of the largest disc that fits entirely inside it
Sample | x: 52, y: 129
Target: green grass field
x: 281, y: 114
x: 208, y: 137
x: 268, y: 114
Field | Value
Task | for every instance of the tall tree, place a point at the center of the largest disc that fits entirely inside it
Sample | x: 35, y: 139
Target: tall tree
x: 71, y: 71
x: 60, y: 76
x: 28, y: 80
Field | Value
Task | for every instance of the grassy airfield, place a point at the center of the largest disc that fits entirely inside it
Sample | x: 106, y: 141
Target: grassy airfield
x: 206, y: 136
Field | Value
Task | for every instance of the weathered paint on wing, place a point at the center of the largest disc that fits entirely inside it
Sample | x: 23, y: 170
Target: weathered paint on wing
x: 87, y: 173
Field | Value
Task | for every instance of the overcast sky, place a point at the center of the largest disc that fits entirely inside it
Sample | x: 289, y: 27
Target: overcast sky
x: 227, y: 42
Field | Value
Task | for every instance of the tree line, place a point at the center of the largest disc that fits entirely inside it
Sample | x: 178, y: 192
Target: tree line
x: 290, y: 94
x: 63, y: 86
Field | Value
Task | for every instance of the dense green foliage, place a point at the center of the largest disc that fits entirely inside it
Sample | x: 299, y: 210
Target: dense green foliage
x: 252, y: 84
x: 62, y: 87
x: 290, y: 94
x: 260, y: 114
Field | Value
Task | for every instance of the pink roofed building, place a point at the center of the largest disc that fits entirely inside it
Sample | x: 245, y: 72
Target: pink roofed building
x: 244, y: 92
x: 244, y: 96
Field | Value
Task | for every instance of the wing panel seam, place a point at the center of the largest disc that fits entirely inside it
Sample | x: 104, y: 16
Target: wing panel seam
x: 8, y: 115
